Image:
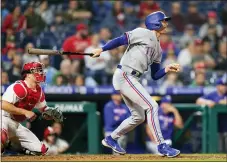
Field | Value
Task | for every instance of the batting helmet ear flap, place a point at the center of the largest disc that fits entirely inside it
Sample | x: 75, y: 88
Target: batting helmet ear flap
x: 158, y: 25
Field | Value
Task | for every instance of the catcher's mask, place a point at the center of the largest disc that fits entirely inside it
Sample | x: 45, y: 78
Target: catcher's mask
x: 35, y: 68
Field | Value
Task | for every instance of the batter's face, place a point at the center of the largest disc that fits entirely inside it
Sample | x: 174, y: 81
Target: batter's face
x: 164, y: 27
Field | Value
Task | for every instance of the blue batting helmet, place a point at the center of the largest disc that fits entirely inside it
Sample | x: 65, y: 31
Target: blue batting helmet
x: 153, y: 20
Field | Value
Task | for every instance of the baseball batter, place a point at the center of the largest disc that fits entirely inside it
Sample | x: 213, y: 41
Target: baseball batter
x: 17, y: 103
x: 143, y: 50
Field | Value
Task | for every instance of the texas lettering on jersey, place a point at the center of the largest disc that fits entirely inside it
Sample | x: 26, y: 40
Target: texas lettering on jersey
x: 142, y: 43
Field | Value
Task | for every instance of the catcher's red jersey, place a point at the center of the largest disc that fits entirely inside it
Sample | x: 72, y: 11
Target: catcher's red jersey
x: 23, y: 97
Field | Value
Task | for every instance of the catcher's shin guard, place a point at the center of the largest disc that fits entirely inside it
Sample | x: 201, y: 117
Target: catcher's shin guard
x: 4, y: 140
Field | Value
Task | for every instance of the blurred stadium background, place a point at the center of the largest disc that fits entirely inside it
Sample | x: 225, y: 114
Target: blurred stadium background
x: 81, y: 87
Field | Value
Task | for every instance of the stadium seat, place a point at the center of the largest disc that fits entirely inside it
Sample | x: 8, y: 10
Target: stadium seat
x: 3, y: 39
x: 71, y: 27
x: 45, y: 43
x: 68, y: 34
x: 47, y: 34
x: 20, y: 36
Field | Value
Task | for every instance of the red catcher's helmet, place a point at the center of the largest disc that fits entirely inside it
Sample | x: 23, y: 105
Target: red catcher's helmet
x: 35, y: 68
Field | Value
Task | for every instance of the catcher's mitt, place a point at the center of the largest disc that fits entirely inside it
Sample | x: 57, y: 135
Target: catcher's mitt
x: 53, y: 113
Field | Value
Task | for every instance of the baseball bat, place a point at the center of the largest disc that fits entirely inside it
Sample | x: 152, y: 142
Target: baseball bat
x: 54, y: 52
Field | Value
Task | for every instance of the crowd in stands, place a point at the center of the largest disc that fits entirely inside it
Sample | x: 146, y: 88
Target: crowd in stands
x: 196, y: 39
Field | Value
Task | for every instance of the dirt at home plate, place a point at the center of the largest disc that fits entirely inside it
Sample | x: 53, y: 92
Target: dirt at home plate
x: 128, y: 157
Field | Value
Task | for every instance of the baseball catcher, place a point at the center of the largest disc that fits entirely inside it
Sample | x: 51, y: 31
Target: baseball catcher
x: 17, y: 103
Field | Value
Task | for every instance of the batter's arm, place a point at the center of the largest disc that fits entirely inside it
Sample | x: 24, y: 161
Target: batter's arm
x: 156, y: 72
x: 119, y: 41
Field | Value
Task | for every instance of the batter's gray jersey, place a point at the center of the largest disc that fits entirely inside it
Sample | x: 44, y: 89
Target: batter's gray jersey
x: 143, y: 49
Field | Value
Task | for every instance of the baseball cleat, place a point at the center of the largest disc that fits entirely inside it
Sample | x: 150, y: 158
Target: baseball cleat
x: 111, y: 143
x: 167, y: 150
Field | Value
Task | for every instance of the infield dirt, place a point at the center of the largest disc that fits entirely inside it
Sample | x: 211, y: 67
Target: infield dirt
x: 127, y: 157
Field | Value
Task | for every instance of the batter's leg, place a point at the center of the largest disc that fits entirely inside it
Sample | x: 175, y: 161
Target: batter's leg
x: 136, y: 92
x: 29, y: 142
x: 138, y: 100
x: 153, y: 123
x: 137, y: 117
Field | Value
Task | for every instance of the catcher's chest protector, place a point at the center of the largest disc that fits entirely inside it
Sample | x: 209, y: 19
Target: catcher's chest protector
x: 31, y: 99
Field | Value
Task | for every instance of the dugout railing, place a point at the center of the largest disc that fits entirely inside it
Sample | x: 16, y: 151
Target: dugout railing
x: 209, y: 122
x: 213, y: 126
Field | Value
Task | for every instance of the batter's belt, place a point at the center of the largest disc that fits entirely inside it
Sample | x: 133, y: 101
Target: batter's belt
x: 130, y: 70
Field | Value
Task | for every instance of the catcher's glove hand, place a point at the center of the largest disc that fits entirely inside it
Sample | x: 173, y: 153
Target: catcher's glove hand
x: 53, y: 113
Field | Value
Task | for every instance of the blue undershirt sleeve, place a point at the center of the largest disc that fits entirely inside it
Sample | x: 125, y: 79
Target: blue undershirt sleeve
x: 156, y: 72
x: 119, y: 41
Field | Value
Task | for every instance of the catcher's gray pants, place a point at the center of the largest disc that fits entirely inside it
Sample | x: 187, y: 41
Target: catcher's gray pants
x: 20, y: 137
x: 137, y: 99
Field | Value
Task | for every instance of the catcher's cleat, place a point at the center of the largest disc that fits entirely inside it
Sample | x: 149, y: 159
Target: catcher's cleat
x: 166, y: 150
x: 43, y: 151
x: 111, y: 143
